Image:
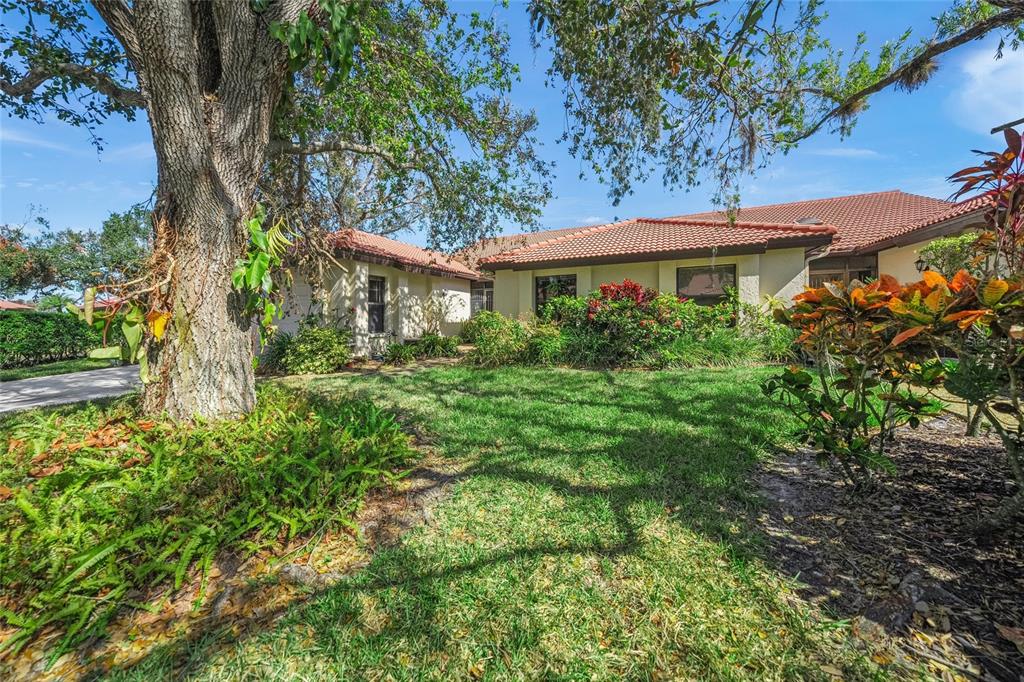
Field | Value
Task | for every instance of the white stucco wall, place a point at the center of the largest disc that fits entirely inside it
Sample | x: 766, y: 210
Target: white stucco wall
x: 780, y: 273
x: 414, y: 300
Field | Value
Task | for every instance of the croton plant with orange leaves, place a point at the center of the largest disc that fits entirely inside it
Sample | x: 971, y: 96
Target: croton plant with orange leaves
x: 870, y: 343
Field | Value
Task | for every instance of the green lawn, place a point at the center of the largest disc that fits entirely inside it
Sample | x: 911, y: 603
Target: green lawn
x: 602, y: 530
x: 53, y: 368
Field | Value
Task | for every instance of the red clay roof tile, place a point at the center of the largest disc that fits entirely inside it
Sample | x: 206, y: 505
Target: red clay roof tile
x: 861, y: 219
x: 649, y: 237
x: 401, y: 253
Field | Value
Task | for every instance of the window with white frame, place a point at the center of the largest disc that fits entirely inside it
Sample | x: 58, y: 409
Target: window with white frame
x: 377, y: 304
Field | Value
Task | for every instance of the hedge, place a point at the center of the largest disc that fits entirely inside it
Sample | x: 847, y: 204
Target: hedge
x: 31, y: 338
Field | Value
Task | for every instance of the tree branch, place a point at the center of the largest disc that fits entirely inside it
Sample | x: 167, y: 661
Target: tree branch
x: 118, y: 17
x: 1014, y: 13
x: 97, y: 80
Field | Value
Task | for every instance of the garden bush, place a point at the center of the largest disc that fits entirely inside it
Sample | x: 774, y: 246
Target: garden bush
x: 436, y: 346
x: 271, y: 361
x: 499, y: 340
x: 31, y: 338
x: 103, y: 508
x: 472, y: 327
x: 318, y: 349
x: 545, y: 345
x: 399, y: 354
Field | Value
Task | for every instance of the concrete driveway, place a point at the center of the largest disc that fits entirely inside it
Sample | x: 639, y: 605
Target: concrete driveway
x: 68, y: 388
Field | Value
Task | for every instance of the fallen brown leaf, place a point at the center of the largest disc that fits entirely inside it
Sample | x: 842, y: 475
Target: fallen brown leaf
x: 1015, y: 635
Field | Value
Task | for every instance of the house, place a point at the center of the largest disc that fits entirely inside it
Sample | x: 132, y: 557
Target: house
x: 765, y: 251
x: 14, y: 305
x: 385, y: 291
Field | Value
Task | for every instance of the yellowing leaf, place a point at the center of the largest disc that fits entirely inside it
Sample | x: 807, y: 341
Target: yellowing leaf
x: 933, y: 279
x: 934, y: 300
x: 158, y: 322
x: 993, y: 291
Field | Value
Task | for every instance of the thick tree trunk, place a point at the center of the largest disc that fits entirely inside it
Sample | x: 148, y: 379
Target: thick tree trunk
x: 211, y: 76
x: 203, y: 365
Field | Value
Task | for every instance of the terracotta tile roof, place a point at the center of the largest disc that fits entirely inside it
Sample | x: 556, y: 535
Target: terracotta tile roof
x: 952, y: 212
x: 402, y: 254
x: 861, y: 219
x: 492, y: 246
x: 650, y: 238
x: 14, y: 305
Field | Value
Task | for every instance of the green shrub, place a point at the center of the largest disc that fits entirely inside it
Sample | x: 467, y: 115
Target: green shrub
x: 30, y: 338
x: 499, y: 341
x: 102, y: 507
x: 398, y: 354
x: 272, y: 359
x: 545, y: 345
x: 436, y: 346
x: 318, y: 350
x: 472, y: 327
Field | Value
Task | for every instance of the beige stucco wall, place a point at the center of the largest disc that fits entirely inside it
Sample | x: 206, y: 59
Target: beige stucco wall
x: 414, y: 300
x: 899, y: 261
x: 780, y: 273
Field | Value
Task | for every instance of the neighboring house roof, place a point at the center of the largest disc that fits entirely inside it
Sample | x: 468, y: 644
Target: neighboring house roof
x: 375, y: 248
x: 492, y: 246
x: 14, y: 305
x: 648, y: 239
x: 861, y: 219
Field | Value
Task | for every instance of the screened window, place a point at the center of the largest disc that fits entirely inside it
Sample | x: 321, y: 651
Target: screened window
x: 481, y: 297
x: 706, y: 284
x: 550, y: 286
x: 377, y: 304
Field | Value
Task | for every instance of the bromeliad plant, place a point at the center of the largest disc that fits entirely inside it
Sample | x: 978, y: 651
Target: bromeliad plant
x: 857, y: 392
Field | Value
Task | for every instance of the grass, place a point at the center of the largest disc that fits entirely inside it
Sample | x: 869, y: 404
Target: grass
x: 601, y: 529
x: 54, y: 368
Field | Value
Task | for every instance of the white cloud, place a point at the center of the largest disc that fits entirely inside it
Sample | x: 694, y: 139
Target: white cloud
x: 990, y: 92
x: 846, y: 153
x: 8, y: 136
x: 591, y: 220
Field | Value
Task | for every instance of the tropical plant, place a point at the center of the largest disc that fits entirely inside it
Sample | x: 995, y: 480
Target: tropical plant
x: 254, y: 274
x: 103, y: 509
x: 398, y: 354
x: 858, y: 391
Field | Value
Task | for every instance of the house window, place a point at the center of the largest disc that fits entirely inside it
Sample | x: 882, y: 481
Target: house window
x: 706, y: 284
x: 549, y: 286
x: 377, y: 304
x: 481, y: 296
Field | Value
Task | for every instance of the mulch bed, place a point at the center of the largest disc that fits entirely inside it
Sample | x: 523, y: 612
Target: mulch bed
x: 901, y: 561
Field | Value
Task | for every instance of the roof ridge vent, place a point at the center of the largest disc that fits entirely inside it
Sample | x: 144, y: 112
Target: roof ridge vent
x: 809, y: 220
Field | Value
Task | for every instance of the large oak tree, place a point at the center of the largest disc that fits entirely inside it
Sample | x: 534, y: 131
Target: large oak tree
x: 692, y: 86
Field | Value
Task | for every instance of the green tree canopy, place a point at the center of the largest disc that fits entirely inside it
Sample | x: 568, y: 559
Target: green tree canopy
x: 69, y: 259
x: 706, y: 88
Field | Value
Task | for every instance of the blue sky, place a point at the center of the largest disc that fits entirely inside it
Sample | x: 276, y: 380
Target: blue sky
x: 904, y: 141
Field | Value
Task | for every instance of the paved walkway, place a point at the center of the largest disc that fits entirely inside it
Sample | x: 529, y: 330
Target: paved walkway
x: 67, y: 388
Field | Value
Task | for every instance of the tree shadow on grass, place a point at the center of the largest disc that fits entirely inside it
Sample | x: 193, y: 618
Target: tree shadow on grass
x: 617, y: 449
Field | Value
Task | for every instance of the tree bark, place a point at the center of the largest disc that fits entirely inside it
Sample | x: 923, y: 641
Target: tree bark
x: 211, y: 76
